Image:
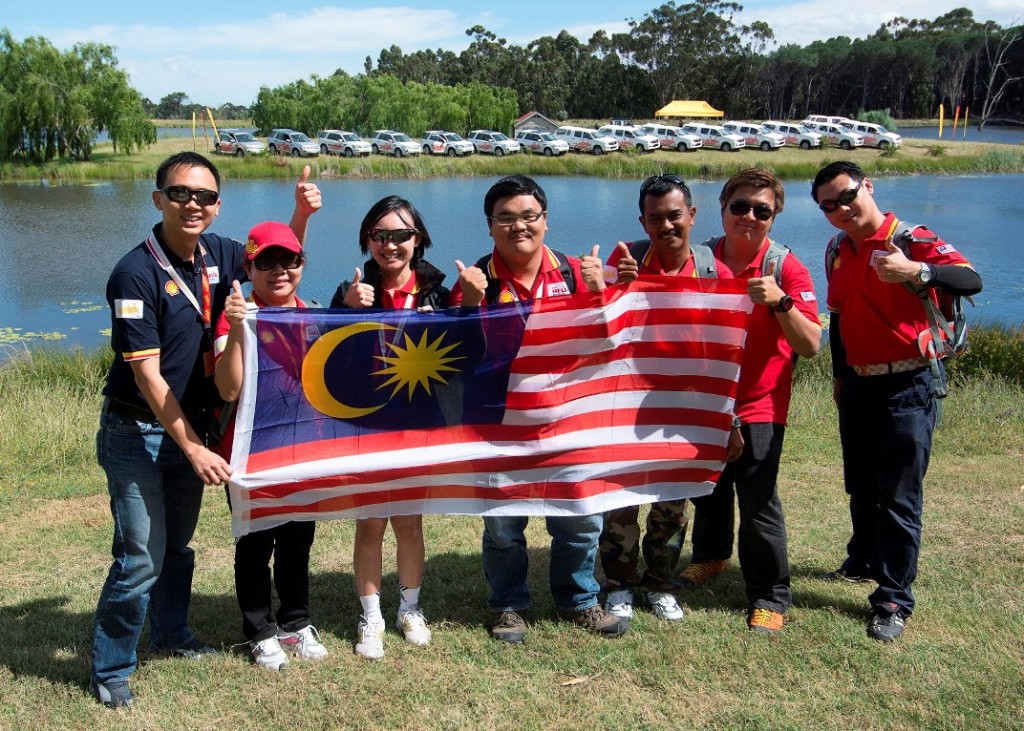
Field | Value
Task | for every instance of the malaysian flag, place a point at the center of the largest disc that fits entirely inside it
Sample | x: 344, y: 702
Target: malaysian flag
x: 569, y: 405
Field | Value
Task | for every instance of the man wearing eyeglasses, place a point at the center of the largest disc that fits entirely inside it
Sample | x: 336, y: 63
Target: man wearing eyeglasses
x: 519, y: 268
x: 783, y: 323
x: 164, y: 295
x: 667, y: 215
x: 883, y: 382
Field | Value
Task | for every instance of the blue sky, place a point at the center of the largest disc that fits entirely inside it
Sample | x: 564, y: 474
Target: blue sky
x: 225, y: 52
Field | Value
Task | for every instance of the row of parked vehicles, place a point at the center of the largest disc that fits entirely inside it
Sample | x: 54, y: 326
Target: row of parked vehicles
x: 730, y: 136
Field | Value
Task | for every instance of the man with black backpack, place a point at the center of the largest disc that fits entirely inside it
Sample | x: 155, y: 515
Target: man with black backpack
x: 887, y: 376
x: 522, y: 268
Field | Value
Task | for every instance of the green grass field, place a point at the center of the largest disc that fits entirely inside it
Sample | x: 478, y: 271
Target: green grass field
x: 958, y: 666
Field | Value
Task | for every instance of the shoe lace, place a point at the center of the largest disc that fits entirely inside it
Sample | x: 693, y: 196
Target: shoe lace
x: 310, y: 635
x: 700, y: 572
x: 414, y: 620
x: 509, y: 619
x: 762, y: 617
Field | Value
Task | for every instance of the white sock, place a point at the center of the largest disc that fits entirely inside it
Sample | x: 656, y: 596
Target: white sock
x: 410, y: 598
x: 371, y: 608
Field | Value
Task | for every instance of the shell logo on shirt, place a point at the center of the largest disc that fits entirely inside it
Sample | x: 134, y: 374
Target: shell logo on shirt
x: 171, y: 287
x: 505, y: 296
x: 837, y: 263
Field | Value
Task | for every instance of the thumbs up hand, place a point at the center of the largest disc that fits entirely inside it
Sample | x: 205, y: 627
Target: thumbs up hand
x: 234, y: 305
x: 593, y: 270
x: 627, y: 269
x: 893, y: 266
x: 473, y: 282
x: 764, y: 290
x: 359, y: 293
x: 307, y: 195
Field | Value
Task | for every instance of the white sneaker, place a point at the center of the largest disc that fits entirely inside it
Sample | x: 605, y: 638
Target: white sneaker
x: 413, y: 625
x: 268, y: 653
x: 620, y: 603
x: 305, y: 643
x: 371, y: 639
x: 665, y: 606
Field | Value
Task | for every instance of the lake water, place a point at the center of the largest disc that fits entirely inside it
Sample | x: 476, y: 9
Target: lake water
x: 1005, y: 135
x: 58, y: 244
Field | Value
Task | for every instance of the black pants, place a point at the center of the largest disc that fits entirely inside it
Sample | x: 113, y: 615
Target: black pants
x: 289, y: 544
x: 764, y: 560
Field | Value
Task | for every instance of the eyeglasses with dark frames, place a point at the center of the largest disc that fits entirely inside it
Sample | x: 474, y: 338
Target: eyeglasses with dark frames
x: 843, y: 199
x: 183, y: 194
x: 508, y: 220
x: 762, y: 211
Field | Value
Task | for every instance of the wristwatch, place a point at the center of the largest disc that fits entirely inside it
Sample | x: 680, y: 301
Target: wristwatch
x: 925, y: 274
x: 785, y: 304
x: 736, y: 423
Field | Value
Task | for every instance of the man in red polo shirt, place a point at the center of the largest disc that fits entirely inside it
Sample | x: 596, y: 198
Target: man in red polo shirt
x: 883, y: 383
x: 522, y: 268
x: 783, y: 323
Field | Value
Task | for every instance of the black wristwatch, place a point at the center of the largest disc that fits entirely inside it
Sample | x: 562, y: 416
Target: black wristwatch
x: 736, y: 423
x: 785, y: 304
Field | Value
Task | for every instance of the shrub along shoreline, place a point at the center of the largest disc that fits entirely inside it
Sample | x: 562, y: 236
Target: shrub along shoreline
x: 916, y: 157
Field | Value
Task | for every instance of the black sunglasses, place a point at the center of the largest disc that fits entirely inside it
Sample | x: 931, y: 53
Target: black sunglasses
x: 844, y: 199
x: 762, y: 212
x: 664, y: 177
x: 288, y: 260
x: 398, y: 235
x: 183, y: 194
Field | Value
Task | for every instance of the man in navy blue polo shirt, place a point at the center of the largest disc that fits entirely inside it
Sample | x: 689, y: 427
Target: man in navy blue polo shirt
x: 164, y: 296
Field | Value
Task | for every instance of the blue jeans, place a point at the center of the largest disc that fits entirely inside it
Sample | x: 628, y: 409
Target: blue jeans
x: 571, y: 572
x: 885, y: 425
x: 155, y: 497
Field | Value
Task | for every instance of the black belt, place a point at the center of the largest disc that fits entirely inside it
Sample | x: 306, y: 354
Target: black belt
x: 129, y: 411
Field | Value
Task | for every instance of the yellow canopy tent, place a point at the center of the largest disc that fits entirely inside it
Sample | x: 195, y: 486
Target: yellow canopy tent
x: 688, y: 109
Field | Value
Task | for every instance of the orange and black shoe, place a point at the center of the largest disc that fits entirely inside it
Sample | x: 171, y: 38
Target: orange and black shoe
x: 699, y: 573
x: 764, y: 620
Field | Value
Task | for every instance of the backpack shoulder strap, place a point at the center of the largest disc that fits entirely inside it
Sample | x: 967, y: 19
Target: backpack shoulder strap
x: 832, y: 253
x: 565, y: 269
x: 638, y: 249
x: 776, y: 253
x: 493, y: 283
x: 704, y: 262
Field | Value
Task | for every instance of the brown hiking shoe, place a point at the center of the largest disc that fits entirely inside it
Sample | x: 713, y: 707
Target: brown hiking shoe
x: 698, y: 573
x: 596, y: 620
x: 509, y: 627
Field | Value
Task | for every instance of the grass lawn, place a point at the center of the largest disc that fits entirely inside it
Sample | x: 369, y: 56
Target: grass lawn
x: 958, y: 666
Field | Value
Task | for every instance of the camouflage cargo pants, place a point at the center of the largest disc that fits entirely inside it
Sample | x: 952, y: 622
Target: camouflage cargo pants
x: 662, y: 543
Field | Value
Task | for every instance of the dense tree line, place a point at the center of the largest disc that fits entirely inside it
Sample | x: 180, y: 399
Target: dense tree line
x: 381, y: 101
x: 53, y: 103
x: 177, y: 105
x: 697, y: 51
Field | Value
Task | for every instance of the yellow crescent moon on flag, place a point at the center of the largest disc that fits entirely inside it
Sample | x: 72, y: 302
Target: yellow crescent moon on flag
x: 313, y: 383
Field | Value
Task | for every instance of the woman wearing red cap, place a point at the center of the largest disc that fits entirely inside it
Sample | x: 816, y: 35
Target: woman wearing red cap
x: 273, y: 262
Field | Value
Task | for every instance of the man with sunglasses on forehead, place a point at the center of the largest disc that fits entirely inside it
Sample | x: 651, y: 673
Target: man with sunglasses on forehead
x: 783, y: 324
x: 667, y: 215
x: 165, y: 296
x: 883, y: 383
x: 521, y: 267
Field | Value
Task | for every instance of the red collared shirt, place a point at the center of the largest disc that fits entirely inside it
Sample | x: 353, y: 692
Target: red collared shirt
x: 404, y: 298
x: 548, y: 283
x: 880, y: 321
x: 652, y: 265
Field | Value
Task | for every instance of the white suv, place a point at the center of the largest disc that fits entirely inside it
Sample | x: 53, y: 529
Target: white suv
x: 837, y: 135
x: 541, y: 142
x: 756, y: 135
x: 875, y: 135
x: 290, y: 142
x: 795, y: 134
x: 586, y: 140
x: 715, y: 136
x: 631, y: 137
x: 439, y: 142
x: 238, y: 143
x: 493, y: 143
x: 340, y: 142
x: 670, y: 136
x: 825, y: 119
x: 389, y: 142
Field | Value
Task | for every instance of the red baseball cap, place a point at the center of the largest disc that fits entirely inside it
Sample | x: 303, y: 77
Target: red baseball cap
x: 270, y: 233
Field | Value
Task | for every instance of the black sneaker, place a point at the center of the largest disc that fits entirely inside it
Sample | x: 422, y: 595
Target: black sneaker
x: 192, y: 650
x: 597, y: 620
x: 113, y: 693
x: 849, y: 576
x: 509, y: 627
x: 887, y: 623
